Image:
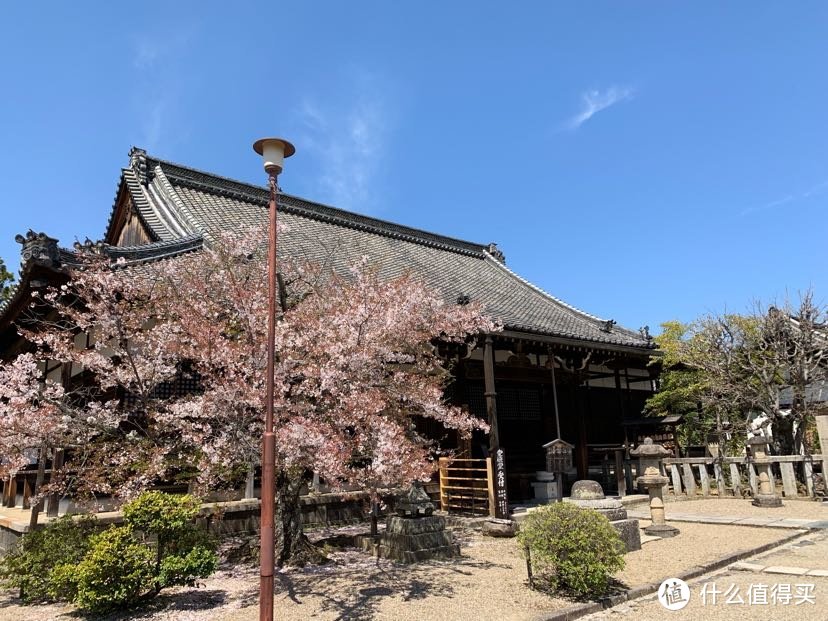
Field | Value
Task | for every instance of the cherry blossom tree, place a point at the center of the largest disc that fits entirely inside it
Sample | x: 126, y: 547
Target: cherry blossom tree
x: 167, y: 368
x: 356, y: 362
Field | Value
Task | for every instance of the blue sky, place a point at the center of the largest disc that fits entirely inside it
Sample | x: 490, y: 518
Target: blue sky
x: 641, y: 161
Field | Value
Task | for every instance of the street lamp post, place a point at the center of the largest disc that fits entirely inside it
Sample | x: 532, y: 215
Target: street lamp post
x: 273, y: 152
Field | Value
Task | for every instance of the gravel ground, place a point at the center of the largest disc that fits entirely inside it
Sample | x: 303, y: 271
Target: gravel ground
x: 696, y: 544
x: 488, y: 582
x: 801, y: 509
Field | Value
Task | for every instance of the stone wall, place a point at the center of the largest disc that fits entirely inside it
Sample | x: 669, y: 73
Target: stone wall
x: 237, y: 517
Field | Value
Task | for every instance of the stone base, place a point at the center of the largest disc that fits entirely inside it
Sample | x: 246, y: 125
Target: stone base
x: 410, y: 540
x: 661, y: 530
x: 499, y: 528
x: 611, y: 509
x: 629, y: 532
x: 545, y: 490
x: 766, y: 500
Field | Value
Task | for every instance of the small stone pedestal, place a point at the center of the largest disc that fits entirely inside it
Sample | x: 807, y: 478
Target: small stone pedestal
x: 649, y: 456
x: 546, y: 486
x: 590, y: 495
x: 410, y: 540
x: 414, y: 534
x: 766, y: 496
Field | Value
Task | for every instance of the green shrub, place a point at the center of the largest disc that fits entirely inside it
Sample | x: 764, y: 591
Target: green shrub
x: 199, y: 562
x: 164, y: 515
x: 116, y: 572
x: 158, y: 546
x: 29, y: 565
x: 571, y: 548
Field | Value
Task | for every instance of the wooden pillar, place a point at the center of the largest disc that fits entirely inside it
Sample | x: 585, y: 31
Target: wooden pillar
x: 620, y: 478
x: 490, y: 394
x: 621, y: 409
x: 554, y: 393
x: 581, y: 460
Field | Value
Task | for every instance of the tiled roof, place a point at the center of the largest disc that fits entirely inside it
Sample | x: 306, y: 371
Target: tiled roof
x: 177, y: 202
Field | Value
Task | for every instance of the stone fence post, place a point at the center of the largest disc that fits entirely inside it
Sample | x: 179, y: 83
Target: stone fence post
x: 822, y: 432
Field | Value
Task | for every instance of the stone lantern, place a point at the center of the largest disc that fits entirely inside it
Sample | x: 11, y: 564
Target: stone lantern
x: 766, y: 496
x: 650, y: 478
x: 549, y: 483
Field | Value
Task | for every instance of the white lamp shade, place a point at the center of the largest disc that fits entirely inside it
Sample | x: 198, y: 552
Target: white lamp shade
x: 273, y: 152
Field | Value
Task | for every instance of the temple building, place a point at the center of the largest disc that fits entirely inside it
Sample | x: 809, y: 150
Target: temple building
x: 553, y: 371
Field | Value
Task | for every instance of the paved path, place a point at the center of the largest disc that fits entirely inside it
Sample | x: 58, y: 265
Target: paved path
x: 745, y: 520
x: 788, y: 583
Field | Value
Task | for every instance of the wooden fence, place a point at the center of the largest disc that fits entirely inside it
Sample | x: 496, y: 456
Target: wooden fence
x: 731, y: 476
x: 466, y: 486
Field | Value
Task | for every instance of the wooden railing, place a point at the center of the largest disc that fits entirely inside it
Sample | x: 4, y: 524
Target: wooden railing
x: 731, y: 475
x: 19, y: 488
x: 466, y: 486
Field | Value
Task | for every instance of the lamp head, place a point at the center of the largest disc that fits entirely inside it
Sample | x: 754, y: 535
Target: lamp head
x: 273, y: 152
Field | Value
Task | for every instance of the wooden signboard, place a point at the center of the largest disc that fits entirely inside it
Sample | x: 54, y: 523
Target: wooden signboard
x: 499, y: 480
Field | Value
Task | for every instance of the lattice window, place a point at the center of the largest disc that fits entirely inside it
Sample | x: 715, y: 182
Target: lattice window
x: 513, y: 402
x: 518, y: 403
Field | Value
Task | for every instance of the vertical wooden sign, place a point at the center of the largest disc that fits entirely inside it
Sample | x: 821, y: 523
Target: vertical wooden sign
x: 501, y: 498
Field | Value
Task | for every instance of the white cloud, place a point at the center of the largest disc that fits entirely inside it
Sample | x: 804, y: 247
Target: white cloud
x: 594, y: 101
x: 347, y: 137
x: 156, y: 60
x: 814, y: 190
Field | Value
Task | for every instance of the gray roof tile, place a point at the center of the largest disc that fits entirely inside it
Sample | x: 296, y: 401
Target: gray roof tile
x: 204, y: 204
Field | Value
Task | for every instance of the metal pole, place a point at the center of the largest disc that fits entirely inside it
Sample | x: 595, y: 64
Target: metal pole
x: 267, y: 551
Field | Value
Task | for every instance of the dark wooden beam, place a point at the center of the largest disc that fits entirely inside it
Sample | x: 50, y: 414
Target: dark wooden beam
x: 490, y: 393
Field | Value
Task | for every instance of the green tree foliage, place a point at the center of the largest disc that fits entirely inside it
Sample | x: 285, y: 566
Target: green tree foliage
x: 681, y: 386
x: 571, y: 548
x: 723, y: 371
x: 6, y: 279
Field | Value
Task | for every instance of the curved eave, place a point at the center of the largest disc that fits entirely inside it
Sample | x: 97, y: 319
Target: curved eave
x: 577, y: 342
x: 31, y: 277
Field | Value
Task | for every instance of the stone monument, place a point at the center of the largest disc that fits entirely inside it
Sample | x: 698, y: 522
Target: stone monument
x: 590, y: 495
x: 649, y: 463
x: 766, y: 496
x: 412, y: 533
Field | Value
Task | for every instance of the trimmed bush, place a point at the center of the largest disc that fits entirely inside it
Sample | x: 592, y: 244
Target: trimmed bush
x: 30, y: 564
x: 183, y: 551
x: 158, y: 546
x: 162, y: 514
x: 571, y: 548
x: 116, y: 572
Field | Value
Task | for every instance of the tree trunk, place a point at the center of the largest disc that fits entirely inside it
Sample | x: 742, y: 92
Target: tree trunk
x: 292, y: 546
x: 783, y: 436
x: 41, y: 474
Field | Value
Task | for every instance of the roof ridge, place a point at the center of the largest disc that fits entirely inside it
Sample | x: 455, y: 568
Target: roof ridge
x: 314, y: 209
x: 569, y: 307
x: 166, y: 187
x: 154, y: 251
